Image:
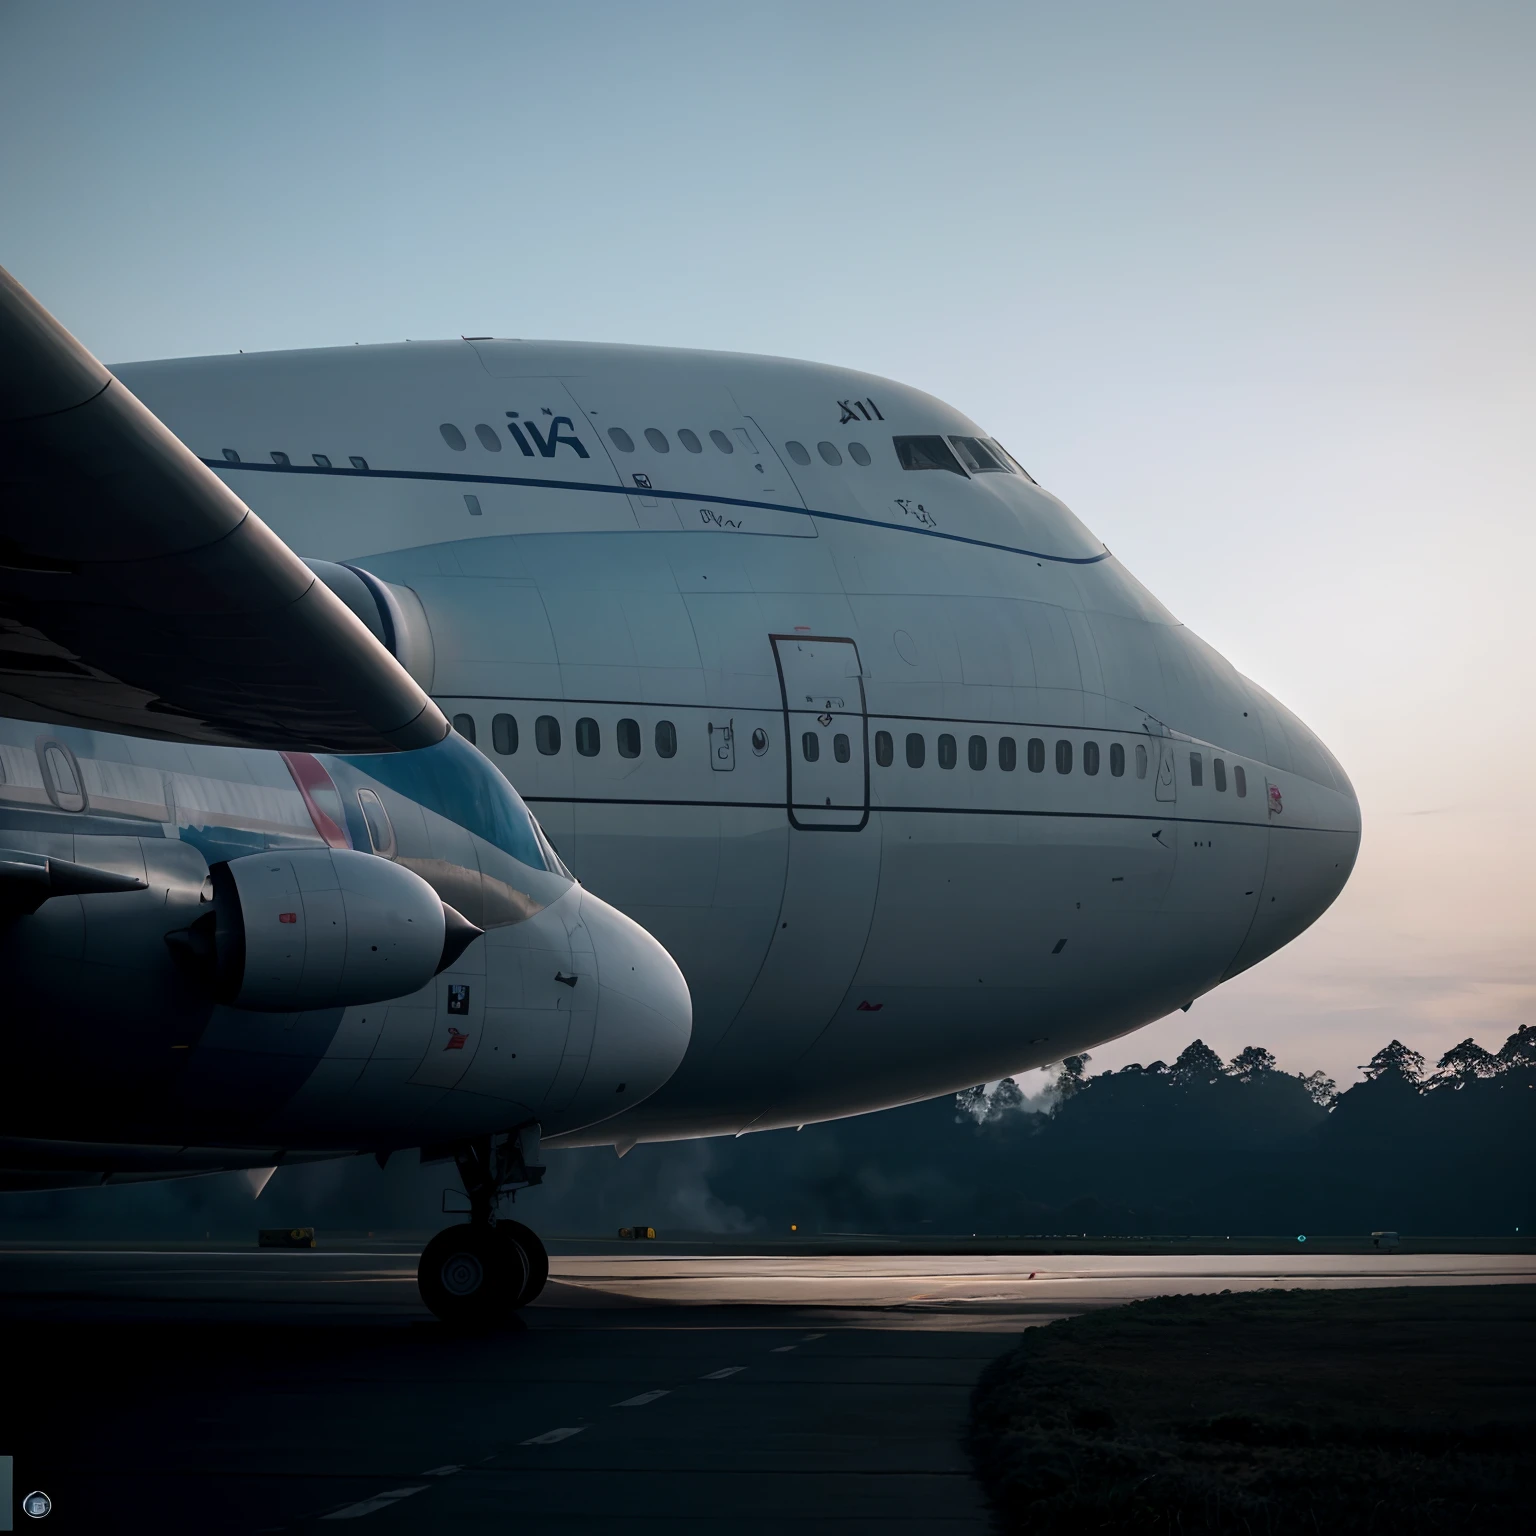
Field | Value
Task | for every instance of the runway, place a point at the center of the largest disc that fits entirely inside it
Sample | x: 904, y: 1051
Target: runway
x: 246, y: 1391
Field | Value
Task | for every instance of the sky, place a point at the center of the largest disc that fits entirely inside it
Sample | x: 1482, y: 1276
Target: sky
x: 1249, y: 288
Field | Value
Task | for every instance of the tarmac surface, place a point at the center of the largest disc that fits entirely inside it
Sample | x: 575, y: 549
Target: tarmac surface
x: 249, y: 1391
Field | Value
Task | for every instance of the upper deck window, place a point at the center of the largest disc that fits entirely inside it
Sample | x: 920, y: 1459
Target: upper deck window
x: 231, y: 456
x: 658, y: 440
x: 621, y: 439
x: 798, y: 452
x: 322, y: 460
x: 488, y: 438
x: 453, y: 437
x: 829, y: 453
x: 721, y: 441
x: 689, y: 440
x: 926, y: 453
x: 280, y: 458
x: 978, y: 458
x: 859, y: 454
x: 357, y: 462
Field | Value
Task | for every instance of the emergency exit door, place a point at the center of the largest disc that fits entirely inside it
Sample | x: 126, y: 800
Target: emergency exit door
x: 826, y: 732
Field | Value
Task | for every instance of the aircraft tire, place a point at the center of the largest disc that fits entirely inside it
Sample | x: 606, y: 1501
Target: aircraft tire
x: 532, y: 1262
x: 462, y: 1276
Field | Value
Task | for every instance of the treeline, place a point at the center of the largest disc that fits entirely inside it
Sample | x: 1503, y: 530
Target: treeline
x: 1198, y: 1146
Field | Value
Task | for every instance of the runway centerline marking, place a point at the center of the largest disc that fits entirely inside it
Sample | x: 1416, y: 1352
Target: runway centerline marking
x: 377, y: 1502
x: 783, y: 1349
x: 554, y: 1436
x: 642, y: 1399
x: 447, y: 1471
x: 730, y: 1370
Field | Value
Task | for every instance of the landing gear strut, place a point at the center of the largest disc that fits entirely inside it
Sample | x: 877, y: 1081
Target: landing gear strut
x: 475, y: 1274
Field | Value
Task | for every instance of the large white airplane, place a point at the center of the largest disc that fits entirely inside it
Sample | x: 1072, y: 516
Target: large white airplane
x: 797, y: 667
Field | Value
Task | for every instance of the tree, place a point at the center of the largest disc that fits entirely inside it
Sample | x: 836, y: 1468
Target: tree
x: 1070, y: 1079
x: 1463, y: 1064
x: 1519, y: 1051
x: 1198, y: 1064
x: 1251, y: 1062
x: 1321, y: 1089
x: 972, y: 1101
x: 1007, y: 1095
x: 1397, y: 1062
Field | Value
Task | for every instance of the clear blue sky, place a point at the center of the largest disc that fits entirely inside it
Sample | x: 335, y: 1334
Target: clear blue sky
x: 1251, y: 288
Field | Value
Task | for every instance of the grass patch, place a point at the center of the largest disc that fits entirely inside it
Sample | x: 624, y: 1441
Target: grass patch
x: 1406, y: 1411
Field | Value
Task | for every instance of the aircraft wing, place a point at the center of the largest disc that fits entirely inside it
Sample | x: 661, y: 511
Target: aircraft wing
x: 139, y: 594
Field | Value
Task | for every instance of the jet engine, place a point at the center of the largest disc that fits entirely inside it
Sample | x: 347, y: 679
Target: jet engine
x: 304, y: 928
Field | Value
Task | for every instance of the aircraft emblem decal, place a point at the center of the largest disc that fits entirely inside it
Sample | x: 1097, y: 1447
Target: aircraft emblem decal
x: 457, y: 1039
x: 1276, y: 804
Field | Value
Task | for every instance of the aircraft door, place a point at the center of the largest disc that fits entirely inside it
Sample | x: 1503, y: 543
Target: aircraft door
x: 1167, y: 776
x: 826, y: 733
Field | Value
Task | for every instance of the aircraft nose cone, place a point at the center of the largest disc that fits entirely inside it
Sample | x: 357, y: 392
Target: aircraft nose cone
x: 644, y: 1012
x: 1313, y: 818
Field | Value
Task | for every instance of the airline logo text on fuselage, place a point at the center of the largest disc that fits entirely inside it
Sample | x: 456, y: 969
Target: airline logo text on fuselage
x: 522, y: 428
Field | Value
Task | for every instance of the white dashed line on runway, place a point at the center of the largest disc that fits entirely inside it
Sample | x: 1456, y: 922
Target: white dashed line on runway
x: 643, y: 1398
x: 377, y: 1502
x: 730, y: 1370
x: 554, y: 1436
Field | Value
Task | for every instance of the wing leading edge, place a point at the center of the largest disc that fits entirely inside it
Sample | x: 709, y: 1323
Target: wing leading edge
x: 139, y: 594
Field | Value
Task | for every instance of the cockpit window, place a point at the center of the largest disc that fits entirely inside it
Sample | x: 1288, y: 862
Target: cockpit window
x: 926, y: 453
x: 978, y: 458
x: 454, y: 780
x: 1007, y: 458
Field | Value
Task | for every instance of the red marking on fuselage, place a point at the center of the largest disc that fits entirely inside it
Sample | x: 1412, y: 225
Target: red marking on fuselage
x: 457, y: 1039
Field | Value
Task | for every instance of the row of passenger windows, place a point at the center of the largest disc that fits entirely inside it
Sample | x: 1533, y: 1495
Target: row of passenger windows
x: 959, y: 455
x: 589, y: 735
x: 628, y: 738
x: 977, y: 751
x: 322, y: 460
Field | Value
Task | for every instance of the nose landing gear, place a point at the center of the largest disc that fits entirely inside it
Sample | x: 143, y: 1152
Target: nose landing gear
x: 475, y: 1274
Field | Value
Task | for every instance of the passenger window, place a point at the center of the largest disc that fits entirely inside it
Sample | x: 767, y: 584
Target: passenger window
x: 1117, y: 760
x: 1007, y: 753
x: 1090, y: 757
x: 546, y: 735
x: 926, y: 453
x: 842, y: 750
x: 629, y: 738
x: 798, y: 452
x: 885, y: 749
x: 657, y: 440
x: 666, y: 739
x: 621, y: 439
x: 231, y: 456
x: 916, y: 750
x: 465, y: 726
x: 1063, y: 757
x: 1036, y: 755
x: 810, y: 746
x: 1141, y: 761
x: 976, y: 752
x: 279, y: 457
x: 472, y: 503
x: 322, y: 461
x: 380, y: 833
x: 977, y: 457
x: 589, y: 740
x: 63, y: 781
x: 947, y: 756
x: 721, y: 441
x: 1219, y: 773
x: 488, y: 438
x: 1196, y: 770
x: 859, y: 454
x: 1240, y: 778
x: 453, y: 437
x: 829, y: 454
x: 358, y: 463
x: 504, y: 734
x: 689, y: 440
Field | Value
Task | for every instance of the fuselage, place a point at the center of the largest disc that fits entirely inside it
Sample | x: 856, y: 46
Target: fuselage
x: 796, y: 668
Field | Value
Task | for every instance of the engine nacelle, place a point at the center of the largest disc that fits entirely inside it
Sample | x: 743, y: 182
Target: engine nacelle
x: 324, y: 928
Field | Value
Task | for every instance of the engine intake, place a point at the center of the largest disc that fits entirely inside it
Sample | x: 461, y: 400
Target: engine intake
x: 320, y: 928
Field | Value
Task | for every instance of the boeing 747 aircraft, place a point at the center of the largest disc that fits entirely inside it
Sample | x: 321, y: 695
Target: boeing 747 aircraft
x: 797, y: 668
